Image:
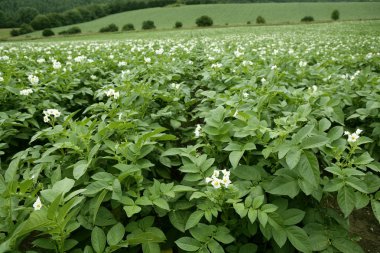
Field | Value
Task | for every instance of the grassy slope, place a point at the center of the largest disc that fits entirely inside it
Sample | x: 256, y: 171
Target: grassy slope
x: 233, y: 14
x: 236, y: 14
x: 4, y: 33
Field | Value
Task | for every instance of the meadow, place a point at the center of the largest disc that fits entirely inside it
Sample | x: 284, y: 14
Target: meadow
x: 232, y: 14
x: 254, y: 139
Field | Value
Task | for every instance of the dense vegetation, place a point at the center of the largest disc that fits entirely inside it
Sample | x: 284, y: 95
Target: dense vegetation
x: 241, y: 144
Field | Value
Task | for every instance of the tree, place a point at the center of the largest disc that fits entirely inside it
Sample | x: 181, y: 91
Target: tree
x: 178, y: 24
x: 47, y: 32
x: 26, y: 15
x: 40, y: 22
x: 128, y: 27
x: 3, y: 20
x: 25, y: 28
x: 307, y: 19
x: 148, y: 24
x: 335, y: 15
x: 204, y: 21
x: 72, y: 16
x: 260, y: 20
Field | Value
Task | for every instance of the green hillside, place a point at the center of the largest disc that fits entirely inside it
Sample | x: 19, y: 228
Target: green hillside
x: 235, y: 14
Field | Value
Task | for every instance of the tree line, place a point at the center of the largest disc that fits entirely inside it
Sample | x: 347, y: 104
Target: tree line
x: 39, y: 21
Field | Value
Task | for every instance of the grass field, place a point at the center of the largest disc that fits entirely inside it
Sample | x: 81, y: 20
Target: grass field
x: 4, y: 33
x: 233, y: 14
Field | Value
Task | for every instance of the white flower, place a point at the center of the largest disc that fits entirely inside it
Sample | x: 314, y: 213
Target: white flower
x: 216, y: 173
x: 1, y: 79
x: 112, y: 92
x: 175, y: 86
x: 315, y: 88
x: 247, y: 63
x: 273, y: 67
x: 93, y: 77
x: 208, y: 179
x: 226, y: 181
x: 120, y: 115
x: 57, y: 65
x: 197, y: 131
x: 238, y: 54
x: 216, y: 65
x: 236, y: 113
x: 216, y: 182
x: 33, y: 79
x: 226, y: 173
x: 245, y: 94
x: 37, y: 205
x: 121, y: 64
x: 358, y: 131
x: 46, y: 119
x: 51, y: 112
x: 302, y: 64
x: 26, y: 92
x: 147, y: 59
x: 160, y: 51
x: 353, y: 137
x: 40, y: 60
x: 263, y: 80
x: 346, y: 133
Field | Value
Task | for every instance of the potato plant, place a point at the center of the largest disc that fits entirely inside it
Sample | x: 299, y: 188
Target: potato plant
x: 243, y: 144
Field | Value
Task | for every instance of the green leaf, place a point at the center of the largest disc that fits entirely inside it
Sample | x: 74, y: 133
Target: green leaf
x: 115, y: 234
x: 248, y: 248
x: 80, y: 168
x: 324, y: 124
x: 375, y: 204
x: 357, y: 184
x: 314, y: 142
x: 151, y: 247
x: 302, y: 133
x: 292, y: 216
x: 188, y: 244
x: 284, y: 185
x: 346, y: 200
x: 131, y: 210
x: 263, y: 218
x: 335, y: 133
x: 363, y: 159
x: 248, y: 172
x: 215, y: 247
x: 194, y: 219
x: 98, y: 240
x: 63, y: 186
x: 178, y: 219
x: 240, y: 209
x: 346, y: 245
x: 293, y: 157
x: 298, y: 238
x: 252, y: 215
x: 161, y: 203
x: 235, y: 157
x: 223, y: 235
x: 279, y: 236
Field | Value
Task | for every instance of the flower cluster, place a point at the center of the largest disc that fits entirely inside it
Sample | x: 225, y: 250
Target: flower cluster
x: 26, y: 92
x: 197, y: 131
x: 216, y: 182
x: 112, y: 92
x: 51, y: 112
x: 353, y: 137
x: 33, y: 79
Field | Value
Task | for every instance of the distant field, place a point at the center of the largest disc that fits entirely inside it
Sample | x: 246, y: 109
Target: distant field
x: 4, y: 33
x: 232, y: 14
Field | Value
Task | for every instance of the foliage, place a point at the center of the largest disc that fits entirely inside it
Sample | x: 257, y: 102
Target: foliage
x: 260, y: 20
x: 307, y: 19
x: 47, y: 32
x: 335, y: 15
x: 71, y: 30
x: 204, y: 144
x: 148, y: 24
x: 178, y: 24
x: 128, y: 27
x: 204, y: 21
x: 109, y: 28
x: 15, y: 32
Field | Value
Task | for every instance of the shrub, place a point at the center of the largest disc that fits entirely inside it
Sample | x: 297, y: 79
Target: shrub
x: 178, y: 24
x: 47, y: 32
x: 14, y: 32
x: 260, y: 20
x: 204, y: 21
x: 25, y: 28
x: 128, y: 27
x: 74, y: 30
x: 307, y: 19
x: 148, y: 24
x: 109, y: 28
x: 335, y: 15
x: 248, y: 22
